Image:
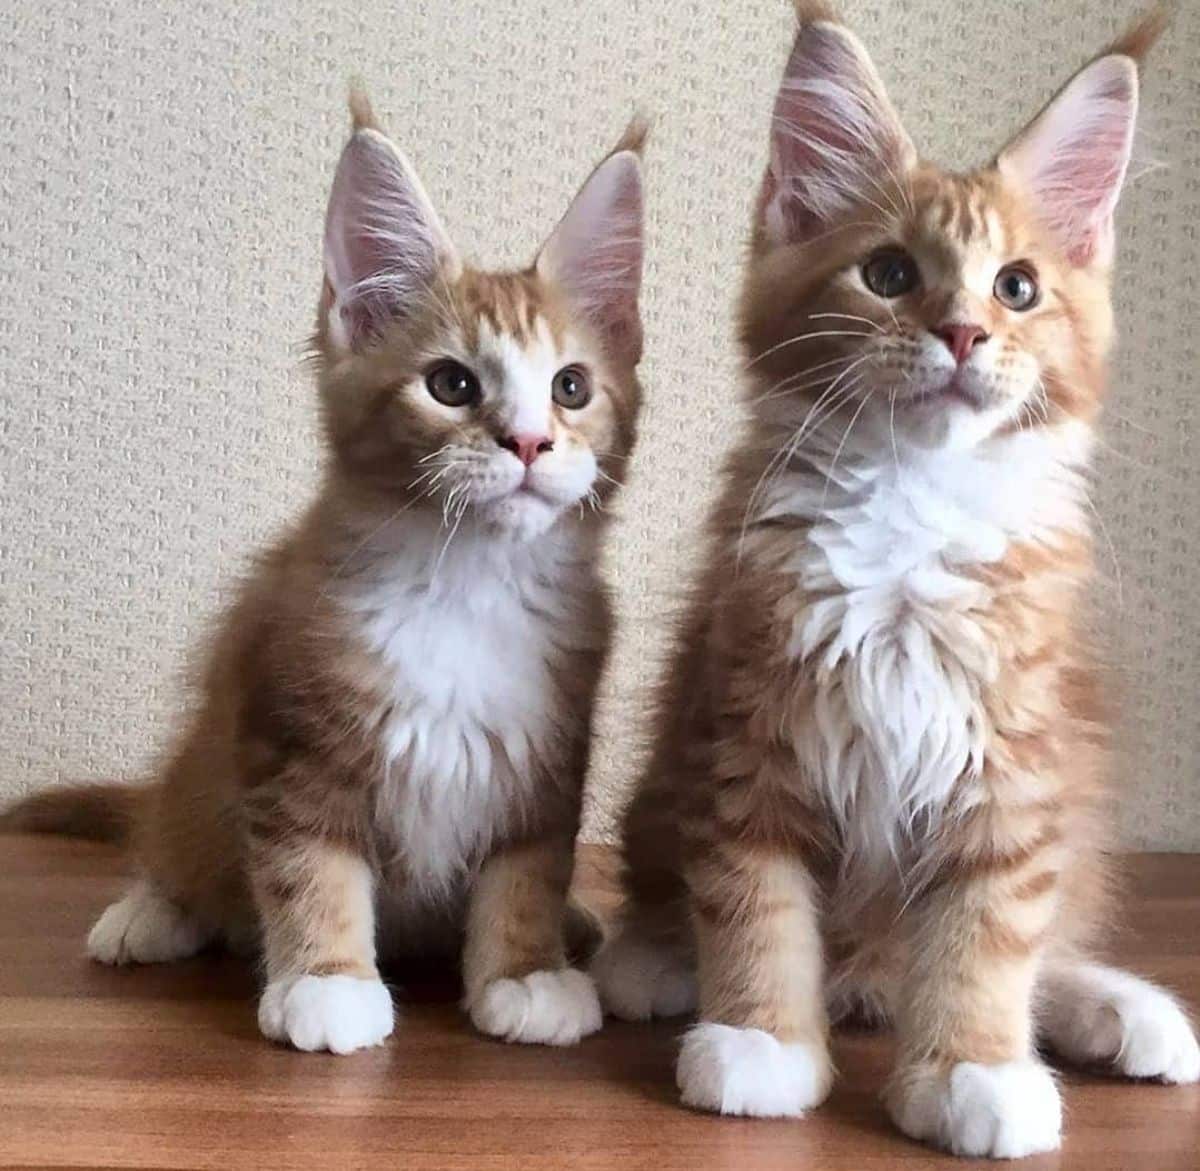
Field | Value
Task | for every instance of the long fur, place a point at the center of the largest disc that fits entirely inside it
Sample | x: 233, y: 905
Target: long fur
x: 877, y: 779
x: 99, y: 812
x: 391, y: 727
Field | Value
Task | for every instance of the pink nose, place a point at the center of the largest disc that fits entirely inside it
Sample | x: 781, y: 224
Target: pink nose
x: 527, y: 447
x: 961, y: 339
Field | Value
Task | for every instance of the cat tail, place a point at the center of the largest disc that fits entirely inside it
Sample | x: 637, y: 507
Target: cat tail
x: 100, y: 813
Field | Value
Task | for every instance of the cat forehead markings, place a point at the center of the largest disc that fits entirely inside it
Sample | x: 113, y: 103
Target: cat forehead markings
x: 515, y: 305
x: 961, y: 227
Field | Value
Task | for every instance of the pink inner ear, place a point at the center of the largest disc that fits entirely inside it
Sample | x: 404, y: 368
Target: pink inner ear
x: 383, y: 242
x: 835, y: 138
x: 595, y: 252
x: 1073, y: 158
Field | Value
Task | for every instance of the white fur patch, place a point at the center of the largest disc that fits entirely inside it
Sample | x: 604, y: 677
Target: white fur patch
x: 1093, y: 1014
x: 469, y: 632
x: 993, y: 1111
x: 338, y: 1013
x: 747, y: 1071
x: 543, y: 1008
x: 895, y: 640
x: 145, y: 927
x: 639, y: 978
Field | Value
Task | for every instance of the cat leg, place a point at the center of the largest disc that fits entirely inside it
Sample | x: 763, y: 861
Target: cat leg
x: 1095, y: 1015
x: 315, y: 902
x: 761, y: 1047
x: 968, y: 1078
x: 518, y: 984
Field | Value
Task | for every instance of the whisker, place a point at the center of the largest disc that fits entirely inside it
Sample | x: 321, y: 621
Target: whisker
x: 842, y: 444
x: 892, y: 427
x: 849, y: 317
x: 804, y: 337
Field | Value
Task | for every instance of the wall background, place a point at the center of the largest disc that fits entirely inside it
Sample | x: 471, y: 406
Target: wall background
x: 163, y: 171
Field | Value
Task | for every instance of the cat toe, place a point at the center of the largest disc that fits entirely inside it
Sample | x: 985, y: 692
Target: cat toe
x: 1157, y: 1042
x: 145, y: 927
x: 750, y: 1072
x: 1002, y: 1111
x: 638, y: 979
x: 338, y: 1013
x: 1098, y: 1015
x: 544, y: 1008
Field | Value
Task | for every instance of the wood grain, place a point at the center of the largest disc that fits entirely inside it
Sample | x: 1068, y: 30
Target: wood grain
x: 164, y: 1067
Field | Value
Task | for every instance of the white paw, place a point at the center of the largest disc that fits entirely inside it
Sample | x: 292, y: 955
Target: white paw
x: 543, y: 1008
x: 145, y: 927
x: 747, y: 1071
x: 1098, y: 1014
x: 997, y: 1111
x: 338, y: 1013
x: 639, y: 979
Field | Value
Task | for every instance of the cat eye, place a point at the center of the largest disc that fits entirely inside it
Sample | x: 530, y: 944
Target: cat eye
x: 1016, y: 288
x: 452, y: 384
x: 890, y: 273
x: 571, y: 388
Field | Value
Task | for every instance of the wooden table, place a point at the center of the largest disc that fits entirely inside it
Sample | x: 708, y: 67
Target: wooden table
x: 164, y: 1067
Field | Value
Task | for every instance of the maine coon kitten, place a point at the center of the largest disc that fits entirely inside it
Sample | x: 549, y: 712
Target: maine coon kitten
x: 878, y: 780
x: 394, y: 727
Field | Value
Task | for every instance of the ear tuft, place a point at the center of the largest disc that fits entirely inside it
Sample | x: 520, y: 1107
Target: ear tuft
x: 1141, y: 36
x: 836, y: 140
x: 595, y: 253
x: 362, y: 116
x: 1071, y: 160
x: 812, y: 11
x: 635, y: 135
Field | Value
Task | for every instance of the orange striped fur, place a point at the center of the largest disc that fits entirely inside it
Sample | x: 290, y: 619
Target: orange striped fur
x: 877, y: 785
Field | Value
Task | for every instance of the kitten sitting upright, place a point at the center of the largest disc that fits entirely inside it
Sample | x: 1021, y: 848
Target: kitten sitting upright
x: 394, y: 727
x: 878, y: 780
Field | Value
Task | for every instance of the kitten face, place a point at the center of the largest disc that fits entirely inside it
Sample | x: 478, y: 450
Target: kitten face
x: 919, y: 305
x: 495, y: 400
x: 507, y: 397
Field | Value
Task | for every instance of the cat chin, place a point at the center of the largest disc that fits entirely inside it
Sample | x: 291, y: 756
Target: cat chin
x: 951, y: 426
x: 521, y: 515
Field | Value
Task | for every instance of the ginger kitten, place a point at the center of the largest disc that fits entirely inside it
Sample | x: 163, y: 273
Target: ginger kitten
x: 877, y: 785
x: 393, y: 730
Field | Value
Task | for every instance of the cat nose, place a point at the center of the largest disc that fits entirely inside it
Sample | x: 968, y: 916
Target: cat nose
x: 961, y: 338
x: 526, y: 447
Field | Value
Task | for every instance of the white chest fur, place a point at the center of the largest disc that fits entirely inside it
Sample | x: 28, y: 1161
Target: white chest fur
x: 468, y: 638
x: 901, y: 657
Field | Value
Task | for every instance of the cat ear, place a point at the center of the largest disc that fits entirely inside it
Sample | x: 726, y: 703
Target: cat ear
x: 595, y: 253
x: 384, y: 243
x: 836, y: 139
x: 1071, y: 160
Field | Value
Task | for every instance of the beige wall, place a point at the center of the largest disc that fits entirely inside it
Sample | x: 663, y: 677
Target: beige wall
x: 163, y: 169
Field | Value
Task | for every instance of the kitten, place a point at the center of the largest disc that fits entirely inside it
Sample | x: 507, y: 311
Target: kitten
x: 394, y: 727
x: 878, y: 780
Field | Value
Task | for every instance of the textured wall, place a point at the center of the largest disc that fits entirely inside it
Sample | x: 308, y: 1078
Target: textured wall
x: 163, y: 170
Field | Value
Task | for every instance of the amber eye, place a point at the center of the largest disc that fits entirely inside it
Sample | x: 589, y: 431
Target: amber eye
x: 452, y: 384
x: 1016, y: 287
x: 571, y: 388
x: 891, y: 272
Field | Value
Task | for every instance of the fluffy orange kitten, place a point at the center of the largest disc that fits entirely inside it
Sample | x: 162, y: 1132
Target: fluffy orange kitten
x: 878, y: 780
x: 393, y: 731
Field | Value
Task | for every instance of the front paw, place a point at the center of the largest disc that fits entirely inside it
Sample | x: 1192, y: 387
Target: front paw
x: 543, y: 1008
x: 748, y: 1071
x: 995, y: 1111
x: 338, y: 1013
